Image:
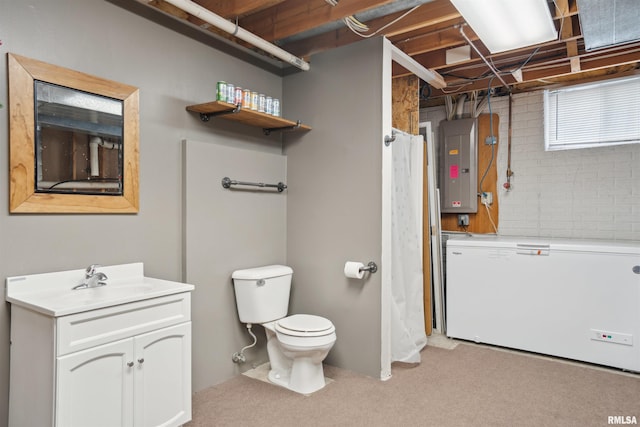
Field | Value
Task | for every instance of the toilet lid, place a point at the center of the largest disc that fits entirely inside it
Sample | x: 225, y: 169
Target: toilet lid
x: 305, y: 325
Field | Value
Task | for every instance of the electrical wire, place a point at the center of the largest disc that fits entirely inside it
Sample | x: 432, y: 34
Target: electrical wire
x: 520, y: 67
x: 477, y: 106
x: 501, y: 71
x: 562, y: 17
x: 390, y: 23
x: 360, y: 28
x: 457, y: 89
x: 490, y: 136
x: 355, y: 24
x: 491, y: 219
x: 448, y: 107
x: 493, y: 145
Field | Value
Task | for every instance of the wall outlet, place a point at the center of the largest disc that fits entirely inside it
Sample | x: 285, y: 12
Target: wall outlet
x: 490, y: 140
x: 463, y: 220
x: 486, y: 198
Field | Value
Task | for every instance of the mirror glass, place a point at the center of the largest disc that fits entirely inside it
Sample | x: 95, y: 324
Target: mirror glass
x: 78, y: 141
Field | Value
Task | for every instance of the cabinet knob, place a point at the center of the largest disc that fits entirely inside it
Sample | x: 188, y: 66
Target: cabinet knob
x: 130, y: 364
x: 141, y: 360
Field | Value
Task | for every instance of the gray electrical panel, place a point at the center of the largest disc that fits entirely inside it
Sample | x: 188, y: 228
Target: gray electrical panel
x: 458, y: 166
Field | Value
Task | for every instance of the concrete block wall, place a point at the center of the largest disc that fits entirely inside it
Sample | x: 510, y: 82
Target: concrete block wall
x: 589, y: 193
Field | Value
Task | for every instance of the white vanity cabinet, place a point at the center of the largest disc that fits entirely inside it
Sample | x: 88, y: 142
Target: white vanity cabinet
x: 138, y: 381
x: 120, y: 365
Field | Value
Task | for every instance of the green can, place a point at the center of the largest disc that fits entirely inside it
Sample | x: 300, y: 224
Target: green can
x: 221, y: 91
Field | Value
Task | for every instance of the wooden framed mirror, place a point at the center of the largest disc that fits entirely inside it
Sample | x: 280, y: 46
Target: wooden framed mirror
x: 73, y: 141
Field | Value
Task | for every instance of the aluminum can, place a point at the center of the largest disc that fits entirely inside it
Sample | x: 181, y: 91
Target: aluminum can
x: 246, y: 98
x: 268, y: 105
x: 276, y: 107
x: 231, y: 93
x: 221, y: 91
x: 238, y: 96
x: 254, y: 101
x: 261, y: 101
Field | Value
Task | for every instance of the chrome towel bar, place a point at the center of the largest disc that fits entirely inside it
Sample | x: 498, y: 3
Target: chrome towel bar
x: 228, y: 182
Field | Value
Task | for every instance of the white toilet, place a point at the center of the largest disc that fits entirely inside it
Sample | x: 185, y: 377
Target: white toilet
x: 296, y: 344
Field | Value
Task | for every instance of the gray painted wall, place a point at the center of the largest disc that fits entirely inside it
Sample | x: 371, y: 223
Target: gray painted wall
x: 331, y: 171
x: 227, y: 230
x: 334, y: 197
x: 172, y: 71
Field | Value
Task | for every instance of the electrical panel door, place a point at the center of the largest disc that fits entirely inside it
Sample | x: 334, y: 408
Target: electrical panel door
x: 458, y: 166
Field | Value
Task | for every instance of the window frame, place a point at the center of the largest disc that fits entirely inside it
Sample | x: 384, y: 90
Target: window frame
x: 602, y: 116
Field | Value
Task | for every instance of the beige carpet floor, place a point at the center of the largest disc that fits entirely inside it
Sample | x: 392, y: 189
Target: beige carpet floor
x: 469, y: 385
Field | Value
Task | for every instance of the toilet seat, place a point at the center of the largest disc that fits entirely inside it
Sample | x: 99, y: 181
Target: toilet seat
x: 304, y: 325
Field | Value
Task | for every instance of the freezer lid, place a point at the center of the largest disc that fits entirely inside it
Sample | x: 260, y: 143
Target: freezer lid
x: 541, y: 243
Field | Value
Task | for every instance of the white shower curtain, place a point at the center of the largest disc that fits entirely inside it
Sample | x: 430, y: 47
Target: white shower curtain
x: 407, y: 306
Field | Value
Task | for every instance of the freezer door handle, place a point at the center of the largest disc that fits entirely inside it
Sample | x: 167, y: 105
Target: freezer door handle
x: 529, y: 249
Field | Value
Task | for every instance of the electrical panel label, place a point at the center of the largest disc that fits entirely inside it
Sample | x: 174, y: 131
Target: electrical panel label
x: 453, y: 172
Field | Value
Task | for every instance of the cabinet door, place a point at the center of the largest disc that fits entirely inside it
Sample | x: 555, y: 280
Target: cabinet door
x: 163, y: 377
x: 94, y: 387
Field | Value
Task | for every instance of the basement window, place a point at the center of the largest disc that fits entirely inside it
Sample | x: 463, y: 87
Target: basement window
x: 592, y: 115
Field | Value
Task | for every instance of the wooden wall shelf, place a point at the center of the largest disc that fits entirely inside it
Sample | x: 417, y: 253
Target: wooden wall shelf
x: 267, y: 122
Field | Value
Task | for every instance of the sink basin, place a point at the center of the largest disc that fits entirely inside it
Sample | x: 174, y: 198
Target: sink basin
x: 52, y: 293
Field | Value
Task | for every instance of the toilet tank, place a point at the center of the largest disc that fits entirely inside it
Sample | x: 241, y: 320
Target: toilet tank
x: 262, y: 293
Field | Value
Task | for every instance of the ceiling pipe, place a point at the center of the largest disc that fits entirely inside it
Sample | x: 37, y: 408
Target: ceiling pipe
x: 493, y: 70
x: 236, y: 31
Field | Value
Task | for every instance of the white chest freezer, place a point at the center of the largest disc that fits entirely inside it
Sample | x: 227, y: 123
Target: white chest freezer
x: 573, y: 299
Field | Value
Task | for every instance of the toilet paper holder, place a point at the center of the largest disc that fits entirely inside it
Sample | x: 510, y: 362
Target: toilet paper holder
x: 371, y: 268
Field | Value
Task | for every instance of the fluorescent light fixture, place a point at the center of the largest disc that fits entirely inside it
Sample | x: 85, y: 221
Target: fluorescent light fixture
x: 508, y: 24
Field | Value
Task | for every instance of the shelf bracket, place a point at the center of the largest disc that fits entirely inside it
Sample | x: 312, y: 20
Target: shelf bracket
x: 206, y: 116
x: 267, y: 131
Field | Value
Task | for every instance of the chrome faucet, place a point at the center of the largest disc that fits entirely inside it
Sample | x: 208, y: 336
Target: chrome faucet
x: 92, y: 278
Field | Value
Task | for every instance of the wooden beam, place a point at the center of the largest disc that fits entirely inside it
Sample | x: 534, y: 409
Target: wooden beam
x: 296, y: 16
x: 423, y: 30
x: 572, y: 53
x: 433, y: 13
x: 437, y: 40
x: 566, y: 32
x: 236, y: 8
x: 170, y: 9
x: 601, y: 63
x: 407, y: 62
x: 436, y: 59
x: 427, y: 15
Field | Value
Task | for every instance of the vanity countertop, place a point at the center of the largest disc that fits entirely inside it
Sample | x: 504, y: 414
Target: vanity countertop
x: 52, y: 294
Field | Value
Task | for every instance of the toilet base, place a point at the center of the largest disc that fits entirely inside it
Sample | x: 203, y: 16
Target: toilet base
x: 305, y: 376
x: 294, y: 366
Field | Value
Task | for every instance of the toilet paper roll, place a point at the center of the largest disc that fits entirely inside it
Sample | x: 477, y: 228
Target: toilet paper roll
x: 352, y: 270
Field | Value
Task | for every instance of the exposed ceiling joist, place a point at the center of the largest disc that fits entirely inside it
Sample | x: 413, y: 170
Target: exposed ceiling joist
x: 296, y: 16
x: 425, y: 34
